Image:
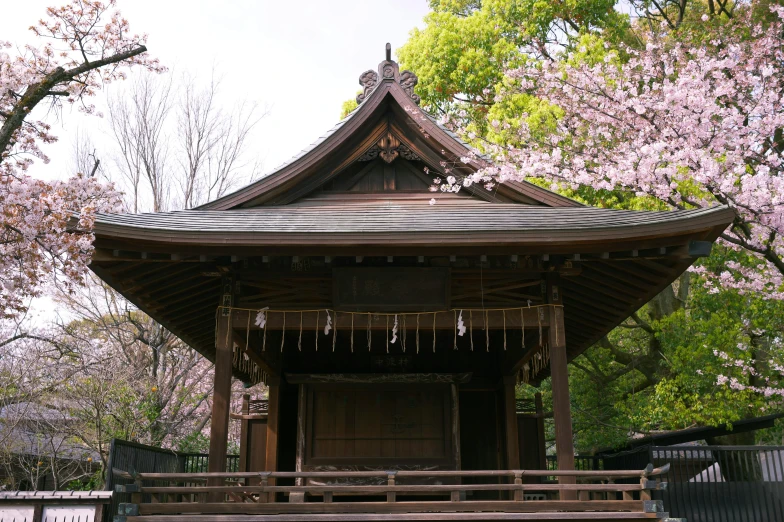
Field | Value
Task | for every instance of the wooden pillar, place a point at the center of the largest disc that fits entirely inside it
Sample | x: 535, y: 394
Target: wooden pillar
x: 455, y: 392
x: 245, y: 441
x: 510, y: 421
x: 562, y: 414
x: 273, y: 418
x: 540, y: 430
x: 302, y: 405
x: 221, y: 399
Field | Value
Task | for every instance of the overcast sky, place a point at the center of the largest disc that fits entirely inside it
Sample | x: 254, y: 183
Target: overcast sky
x: 299, y: 58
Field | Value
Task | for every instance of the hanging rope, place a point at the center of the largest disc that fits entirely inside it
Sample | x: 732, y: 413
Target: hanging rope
x: 403, y: 333
x: 299, y: 342
x: 401, y: 322
x: 471, y: 328
x: 434, y: 332
x: 504, y: 312
x: 228, y: 329
x: 454, y: 312
x: 264, y: 341
x: 539, y: 320
x: 335, y: 332
x: 283, y: 332
x: 487, y: 329
x: 417, y: 334
x: 247, y: 333
x: 317, y: 327
x: 522, y: 327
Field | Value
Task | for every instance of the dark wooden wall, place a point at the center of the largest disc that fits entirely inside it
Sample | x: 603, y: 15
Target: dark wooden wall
x: 390, y: 425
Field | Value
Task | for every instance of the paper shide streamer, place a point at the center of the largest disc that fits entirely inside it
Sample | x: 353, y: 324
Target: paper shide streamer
x: 535, y: 362
x: 394, y: 331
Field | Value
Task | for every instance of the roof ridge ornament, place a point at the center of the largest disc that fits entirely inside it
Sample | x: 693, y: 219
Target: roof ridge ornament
x: 388, y: 70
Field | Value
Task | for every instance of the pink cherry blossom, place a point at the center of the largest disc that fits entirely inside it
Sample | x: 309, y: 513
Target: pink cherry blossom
x: 45, y: 228
x: 691, y: 125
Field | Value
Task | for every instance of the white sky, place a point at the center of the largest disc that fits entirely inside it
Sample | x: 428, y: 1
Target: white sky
x: 299, y: 58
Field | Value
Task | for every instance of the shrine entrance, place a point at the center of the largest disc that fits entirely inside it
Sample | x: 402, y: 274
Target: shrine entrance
x: 391, y: 321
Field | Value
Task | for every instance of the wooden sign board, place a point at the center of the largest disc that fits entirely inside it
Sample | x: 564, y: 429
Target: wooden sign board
x: 393, y: 289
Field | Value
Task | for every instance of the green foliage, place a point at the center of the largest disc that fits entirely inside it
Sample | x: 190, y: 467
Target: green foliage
x: 348, y: 107
x: 463, y: 52
x: 194, y: 443
x: 715, y: 333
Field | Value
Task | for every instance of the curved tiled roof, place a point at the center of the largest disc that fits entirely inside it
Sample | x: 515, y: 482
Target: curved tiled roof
x: 475, y: 217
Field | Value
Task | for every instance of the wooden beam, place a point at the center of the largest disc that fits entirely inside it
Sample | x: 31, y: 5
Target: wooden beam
x: 273, y: 419
x: 559, y: 372
x: 453, y: 388
x: 302, y: 406
x: 219, y: 424
x: 540, y: 430
x: 244, y: 439
x: 510, y: 422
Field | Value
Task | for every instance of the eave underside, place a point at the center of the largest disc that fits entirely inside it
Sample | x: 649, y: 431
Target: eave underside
x: 179, y: 285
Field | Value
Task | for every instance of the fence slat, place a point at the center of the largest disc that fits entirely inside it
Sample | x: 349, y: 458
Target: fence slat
x: 141, y: 458
x: 751, y: 486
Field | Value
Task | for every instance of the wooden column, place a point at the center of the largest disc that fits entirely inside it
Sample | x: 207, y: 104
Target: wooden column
x: 221, y: 399
x: 455, y: 392
x: 273, y: 417
x: 540, y: 430
x: 221, y: 391
x: 562, y: 413
x: 510, y: 421
x: 244, y: 433
x: 302, y: 405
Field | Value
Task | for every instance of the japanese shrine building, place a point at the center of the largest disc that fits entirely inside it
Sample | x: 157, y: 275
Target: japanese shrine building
x: 391, y: 332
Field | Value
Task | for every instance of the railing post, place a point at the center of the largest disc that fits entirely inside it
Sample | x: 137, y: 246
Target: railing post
x: 264, y: 495
x: 391, y: 482
x: 518, y: 480
x: 645, y: 493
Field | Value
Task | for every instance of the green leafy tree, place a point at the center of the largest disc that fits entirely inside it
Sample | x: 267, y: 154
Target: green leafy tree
x: 463, y: 52
x: 660, y: 369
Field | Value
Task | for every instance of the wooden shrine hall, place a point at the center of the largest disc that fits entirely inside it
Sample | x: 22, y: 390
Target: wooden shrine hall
x: 391, y: 331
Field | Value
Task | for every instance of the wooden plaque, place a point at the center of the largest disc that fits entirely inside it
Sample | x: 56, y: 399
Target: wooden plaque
x: 393, y: 289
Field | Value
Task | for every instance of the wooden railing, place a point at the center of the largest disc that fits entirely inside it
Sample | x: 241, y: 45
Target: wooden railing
x: 176, y: 497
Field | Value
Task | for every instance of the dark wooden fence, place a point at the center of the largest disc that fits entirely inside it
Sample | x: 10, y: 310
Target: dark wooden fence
x: 704, y: 483
x: 708, y: 483
x: 148, y: 459
x: 393, y: 495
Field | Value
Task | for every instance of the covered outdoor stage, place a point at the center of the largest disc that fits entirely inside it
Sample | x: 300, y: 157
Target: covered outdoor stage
x: 391, y: 332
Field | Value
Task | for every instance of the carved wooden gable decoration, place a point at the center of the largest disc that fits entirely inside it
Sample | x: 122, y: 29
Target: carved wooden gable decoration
x: 387, y: 145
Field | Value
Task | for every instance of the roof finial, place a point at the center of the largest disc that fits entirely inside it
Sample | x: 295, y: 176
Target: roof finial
x: 387, y: 70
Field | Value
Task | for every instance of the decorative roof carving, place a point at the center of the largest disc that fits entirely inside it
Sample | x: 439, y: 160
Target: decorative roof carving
x: 389, y: 148
x: 368, y: 80
x: 388, y: 70
x: 388, y: 145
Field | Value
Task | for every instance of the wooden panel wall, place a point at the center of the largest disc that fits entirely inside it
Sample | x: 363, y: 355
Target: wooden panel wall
x: 407, y: 424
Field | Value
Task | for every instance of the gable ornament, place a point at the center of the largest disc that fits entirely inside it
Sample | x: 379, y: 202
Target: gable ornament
x: 388, y: 148
x: 388, y: 70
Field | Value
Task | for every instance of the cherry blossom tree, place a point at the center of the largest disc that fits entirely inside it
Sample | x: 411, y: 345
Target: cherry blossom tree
x: 84, y: 45
x: 688, y: 121
x: 687, y: 125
